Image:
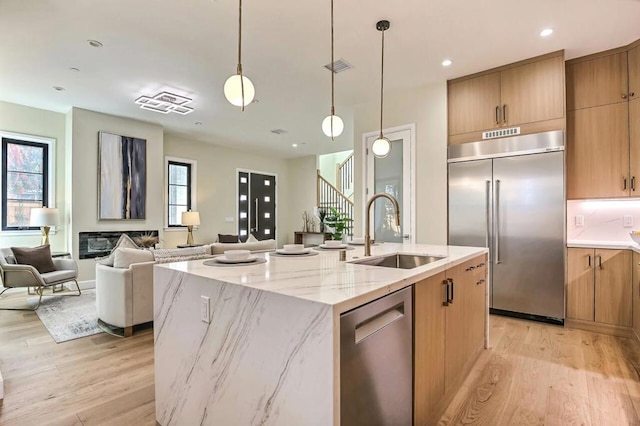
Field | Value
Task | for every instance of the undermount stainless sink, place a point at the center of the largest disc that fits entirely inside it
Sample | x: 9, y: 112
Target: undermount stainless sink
x: 399, y: 261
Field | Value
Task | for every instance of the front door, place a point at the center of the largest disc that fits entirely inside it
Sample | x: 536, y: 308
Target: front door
x: 256, y: 205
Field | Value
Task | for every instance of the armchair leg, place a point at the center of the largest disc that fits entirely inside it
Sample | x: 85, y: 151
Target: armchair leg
x: 38, y: 291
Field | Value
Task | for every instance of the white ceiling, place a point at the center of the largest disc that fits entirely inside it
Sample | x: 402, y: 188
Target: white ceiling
x: 189, y: 47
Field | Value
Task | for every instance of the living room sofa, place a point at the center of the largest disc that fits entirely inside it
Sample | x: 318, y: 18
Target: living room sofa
x: 124, y: 281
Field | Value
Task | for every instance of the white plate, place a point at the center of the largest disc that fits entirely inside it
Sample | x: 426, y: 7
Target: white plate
x: 341, y: 246
x: 293, y: 253
x: 223, y: 259
x: 356, y: 243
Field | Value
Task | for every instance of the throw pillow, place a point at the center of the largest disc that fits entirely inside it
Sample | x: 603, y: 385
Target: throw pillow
x: 252, y: 239
x: 38, y: 257
x: 222, y: 238
x: 124, y: 257
x: 124, y: 241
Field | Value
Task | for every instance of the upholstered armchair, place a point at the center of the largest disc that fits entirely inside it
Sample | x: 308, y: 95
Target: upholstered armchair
x: 14, y: 275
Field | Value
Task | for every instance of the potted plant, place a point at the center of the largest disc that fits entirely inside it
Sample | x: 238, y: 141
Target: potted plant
x: 338, y: 221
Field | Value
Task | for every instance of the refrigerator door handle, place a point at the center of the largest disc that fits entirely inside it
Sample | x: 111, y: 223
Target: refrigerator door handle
x: 487, y: 212
x: 497, y: 227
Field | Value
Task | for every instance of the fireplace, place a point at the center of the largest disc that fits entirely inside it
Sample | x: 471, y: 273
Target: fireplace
x: 100, y: 243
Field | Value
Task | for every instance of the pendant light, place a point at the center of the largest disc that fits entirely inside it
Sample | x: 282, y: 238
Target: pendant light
x: 332, y: 125
x: 381, y: 146
x: 238, y: 89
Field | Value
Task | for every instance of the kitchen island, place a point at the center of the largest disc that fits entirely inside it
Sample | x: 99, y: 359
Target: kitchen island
x: 270, y: 351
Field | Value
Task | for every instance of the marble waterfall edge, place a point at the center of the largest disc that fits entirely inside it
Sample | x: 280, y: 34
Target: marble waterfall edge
x: 262, y: 360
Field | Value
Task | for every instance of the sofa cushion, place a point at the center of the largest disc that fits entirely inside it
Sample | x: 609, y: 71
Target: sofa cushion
x: 57, y: 276
x: 181, y: 254
x: 264, y: 245
x: 125, y: 257
x: 124, y: 241
x: 38, y: 257
x: 224, y: 238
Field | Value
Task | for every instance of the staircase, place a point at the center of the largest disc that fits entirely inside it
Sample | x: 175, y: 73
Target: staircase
x: 330, y: 196
x: 344, y: 176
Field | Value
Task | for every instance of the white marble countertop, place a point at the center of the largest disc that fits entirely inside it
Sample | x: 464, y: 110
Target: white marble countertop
x: 619, y: 245
x: 324, y: 279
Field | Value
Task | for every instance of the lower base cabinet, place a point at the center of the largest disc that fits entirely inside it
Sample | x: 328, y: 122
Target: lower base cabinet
x: 449, y: 329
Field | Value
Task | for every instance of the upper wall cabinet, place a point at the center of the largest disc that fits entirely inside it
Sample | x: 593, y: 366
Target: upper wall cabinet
x: 529, y: 94
x: 603, y: 133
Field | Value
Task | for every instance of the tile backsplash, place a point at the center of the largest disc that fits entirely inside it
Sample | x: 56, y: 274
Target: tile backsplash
x: 603, y: 219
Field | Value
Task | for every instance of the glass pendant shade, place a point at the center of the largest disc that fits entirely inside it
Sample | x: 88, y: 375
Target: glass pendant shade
x: 381, y: 147
x: 233, y: 90
x: 338, y: 126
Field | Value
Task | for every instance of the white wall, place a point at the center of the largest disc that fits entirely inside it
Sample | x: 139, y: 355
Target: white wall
x: 39, y: 122
x: 85, y: 126
x: 603, y: 219
x: 217, y: 192
x: 427, y: 108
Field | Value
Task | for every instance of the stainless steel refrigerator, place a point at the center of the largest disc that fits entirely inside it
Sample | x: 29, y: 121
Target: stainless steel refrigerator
x: 508, y: 195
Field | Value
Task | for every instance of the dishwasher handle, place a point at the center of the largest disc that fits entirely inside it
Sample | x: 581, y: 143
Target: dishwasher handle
x: 377, y: 322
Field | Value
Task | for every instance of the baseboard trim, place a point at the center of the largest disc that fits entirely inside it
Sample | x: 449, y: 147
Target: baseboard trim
x: 84, y: 285
x: 596, y: 327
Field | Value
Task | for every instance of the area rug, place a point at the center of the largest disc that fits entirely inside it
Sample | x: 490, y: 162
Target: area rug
x: 68, y: 317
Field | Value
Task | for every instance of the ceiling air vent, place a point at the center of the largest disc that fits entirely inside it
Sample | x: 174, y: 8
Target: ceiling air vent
x: 338, y: 66
x: 278, y: 131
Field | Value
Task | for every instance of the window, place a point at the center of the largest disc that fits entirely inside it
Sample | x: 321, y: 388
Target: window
x: 27, y: 179
x: 181, y: 189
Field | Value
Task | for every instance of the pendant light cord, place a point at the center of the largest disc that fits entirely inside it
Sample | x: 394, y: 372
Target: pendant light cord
x: 381, y: 84
x: 333, y: 109
x: 240, y: 52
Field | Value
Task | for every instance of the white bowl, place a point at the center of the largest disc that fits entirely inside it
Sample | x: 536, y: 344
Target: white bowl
x: 635, y: 237
x: 357, y: 240
x: 293, y: 247
x: 237, y: 254
x: 333, y: 243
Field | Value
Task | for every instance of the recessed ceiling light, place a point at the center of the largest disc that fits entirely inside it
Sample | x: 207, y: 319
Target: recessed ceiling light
x: 198, y: 123
x: 74, y: 69
x: 94, y: 43
x: 447, y: 62
x: 546, y: 32
x: 58, y: 88
x: 295, y: 145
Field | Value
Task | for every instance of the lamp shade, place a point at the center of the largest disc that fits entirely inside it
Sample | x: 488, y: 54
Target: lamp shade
x: 190, y: 218
x: 233, y: 90
x: 43, y: 216
x: 381, y: 147
x: 338, y: 126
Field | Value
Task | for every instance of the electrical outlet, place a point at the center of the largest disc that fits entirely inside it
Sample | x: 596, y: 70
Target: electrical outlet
x: 204, y: 309
x: 579, y: 220
x: 628, y: 221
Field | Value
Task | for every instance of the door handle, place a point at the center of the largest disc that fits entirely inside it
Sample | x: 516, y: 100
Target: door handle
x: 257, y: 216
x: 624, y: 183
x: 378, y: 322
x: 446, y: 298
x: 452, y: 283
x: 504, y: 113
x: 633, y: 183
x: 480, y: 282
x: 600, y: 262
x: 589, y: 260
x: 497, y: 228
x: 497, y: 114
x: 470, y: 268
x: 487, y: 211
x: 406, y: 236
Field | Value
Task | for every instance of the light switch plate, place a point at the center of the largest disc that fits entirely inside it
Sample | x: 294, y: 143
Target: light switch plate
x: 628, y: 221
x: 204, y: 309
x: 579, y: 220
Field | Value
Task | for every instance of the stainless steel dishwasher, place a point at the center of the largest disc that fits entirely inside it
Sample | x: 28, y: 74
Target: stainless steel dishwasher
x: 376, y: 362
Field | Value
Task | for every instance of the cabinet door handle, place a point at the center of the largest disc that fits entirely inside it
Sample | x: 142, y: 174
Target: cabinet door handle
x: 633, y: 183
x: 497, y: 114
x: 480, y: 282
x: 632, y: 94
x: 624, y: 183
x: 600, y: 262
x: 504, y: 113
x: 452, y: 287
x: 624, y: 96
x: 480, y: 265
x: 589, y: 260
x: 446, y: 298
x: 470, y: 268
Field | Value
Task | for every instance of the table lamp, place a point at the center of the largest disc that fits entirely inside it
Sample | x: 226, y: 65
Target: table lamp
x: 45, y: 218
x: 190, y: 219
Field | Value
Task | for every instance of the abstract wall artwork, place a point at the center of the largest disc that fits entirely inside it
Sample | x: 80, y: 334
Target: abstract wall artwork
x: 122, y: 177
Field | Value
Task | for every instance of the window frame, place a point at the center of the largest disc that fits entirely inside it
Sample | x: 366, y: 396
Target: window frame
x: 191, y: 191
x: 49, y: 177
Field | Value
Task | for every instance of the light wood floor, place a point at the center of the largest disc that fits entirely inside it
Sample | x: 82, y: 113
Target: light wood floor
x: 534, y: 374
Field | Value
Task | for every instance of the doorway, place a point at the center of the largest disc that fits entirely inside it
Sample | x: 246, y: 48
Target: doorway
x: 256, y: 205
x: 393, y: 175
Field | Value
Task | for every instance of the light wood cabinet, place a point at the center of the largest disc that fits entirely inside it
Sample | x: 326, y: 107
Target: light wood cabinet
x: 603, y: 145
x: 596, y: 82
x: 598, y: 152
x: 449, y: 323
x: 635, y: 288
x: 599, y: 286
x: 524, y: 94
